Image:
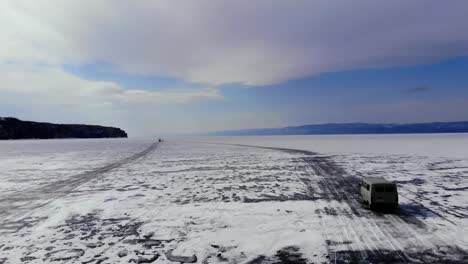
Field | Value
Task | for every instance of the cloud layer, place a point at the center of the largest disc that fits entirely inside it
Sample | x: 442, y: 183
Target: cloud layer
x: 207, y: 43
x: 251, y: 42
x: 49, y: 94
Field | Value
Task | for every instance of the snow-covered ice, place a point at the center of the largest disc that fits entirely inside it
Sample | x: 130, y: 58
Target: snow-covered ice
x: 213, y: 200
x: 432, y: 145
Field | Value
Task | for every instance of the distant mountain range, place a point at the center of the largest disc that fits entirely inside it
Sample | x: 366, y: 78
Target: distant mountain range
x: 13, y: 128
x: 354, y: 128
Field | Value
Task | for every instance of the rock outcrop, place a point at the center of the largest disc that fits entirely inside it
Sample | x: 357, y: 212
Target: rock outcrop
x: 13, y: 128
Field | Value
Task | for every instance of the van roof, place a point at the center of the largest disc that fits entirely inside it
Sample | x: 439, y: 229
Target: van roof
x: 375, y: 180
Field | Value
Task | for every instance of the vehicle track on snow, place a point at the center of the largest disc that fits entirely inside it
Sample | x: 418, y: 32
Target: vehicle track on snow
x: 19, y: 204
x: 334, y: 190
x: 400, y: 232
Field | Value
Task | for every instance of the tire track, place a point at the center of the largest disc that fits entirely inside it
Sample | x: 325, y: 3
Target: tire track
x: 400, y: 231
x: 334, y: 194
x: 20, y: 204
x: 395, y: 226
x: 336, y: 232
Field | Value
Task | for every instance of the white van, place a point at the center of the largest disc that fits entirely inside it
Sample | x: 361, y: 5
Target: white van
x: 379, y: 192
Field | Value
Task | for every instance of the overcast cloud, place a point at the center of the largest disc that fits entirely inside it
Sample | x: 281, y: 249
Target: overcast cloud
x: 215, y: 42
x: 251, y: 42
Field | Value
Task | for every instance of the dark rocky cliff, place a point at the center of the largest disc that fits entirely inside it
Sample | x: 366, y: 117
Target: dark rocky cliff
x: 13, y: 128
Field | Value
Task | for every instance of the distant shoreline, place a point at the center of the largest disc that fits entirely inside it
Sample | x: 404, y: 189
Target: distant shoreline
x: 353, y: 129
x: 14, y: 129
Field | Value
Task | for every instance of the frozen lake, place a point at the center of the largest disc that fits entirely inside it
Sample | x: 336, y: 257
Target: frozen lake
x: 435, y: 145
x: 282, y: 199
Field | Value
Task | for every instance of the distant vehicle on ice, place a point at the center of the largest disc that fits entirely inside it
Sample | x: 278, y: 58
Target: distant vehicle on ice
x: 378, y: 192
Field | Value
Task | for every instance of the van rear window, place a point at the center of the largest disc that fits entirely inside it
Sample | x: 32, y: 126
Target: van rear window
x: 390, y: 189
x: 379, y: 189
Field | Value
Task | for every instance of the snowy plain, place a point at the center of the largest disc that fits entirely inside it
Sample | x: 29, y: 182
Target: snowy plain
x: 434, y: 145
x: 291, y: 199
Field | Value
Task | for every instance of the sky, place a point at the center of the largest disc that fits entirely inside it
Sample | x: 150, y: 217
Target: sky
x: 178, y: 67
